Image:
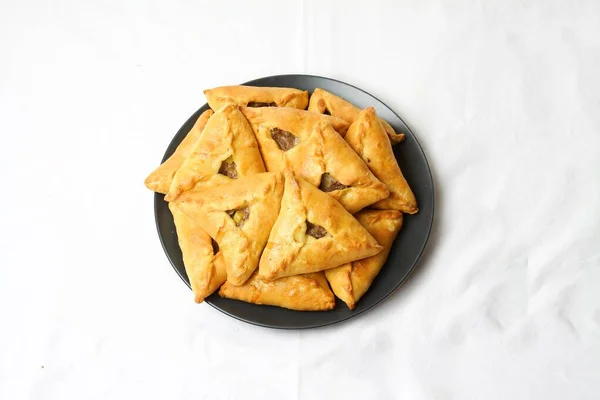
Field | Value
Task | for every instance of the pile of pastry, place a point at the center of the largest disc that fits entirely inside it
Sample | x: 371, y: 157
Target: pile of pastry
x: 275, y: 204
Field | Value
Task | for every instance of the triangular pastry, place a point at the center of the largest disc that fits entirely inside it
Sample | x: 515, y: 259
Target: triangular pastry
x: 313, y: 232
x: 227, y: 150
x: 367, y: 137
x: 326, y: 161
x: 319, y: 155
x: 351, y: 281
x: 297, y: 122
x: 254, y: 96
x: 205, y: 269
x: 238, y: 215
x: 160, y: 179
x: 308, y: 292
x: 323, y: 102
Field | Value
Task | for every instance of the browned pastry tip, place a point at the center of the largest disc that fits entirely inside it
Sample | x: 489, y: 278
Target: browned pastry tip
x: 324, y: 102
x: 160, y: 179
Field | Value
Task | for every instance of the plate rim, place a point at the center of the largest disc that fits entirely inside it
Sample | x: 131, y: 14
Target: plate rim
x: 158, y: 198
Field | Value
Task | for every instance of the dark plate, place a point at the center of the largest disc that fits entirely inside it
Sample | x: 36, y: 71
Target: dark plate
x: 405, y: 253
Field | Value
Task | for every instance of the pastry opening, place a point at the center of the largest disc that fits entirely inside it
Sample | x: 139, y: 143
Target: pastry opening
x: 326, y: 112
x: 239, y: 216
x: 316, y: 231
x: 228, y: 168
x: 215, y: 246
x: 284, y: 139
x: 259, y: 104
x: 329, y: 183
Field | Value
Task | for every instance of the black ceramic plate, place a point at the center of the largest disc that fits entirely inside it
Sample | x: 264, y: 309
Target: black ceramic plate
x: 405, y: 253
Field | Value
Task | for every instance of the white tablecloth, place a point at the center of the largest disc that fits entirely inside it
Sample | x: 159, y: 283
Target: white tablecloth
x: 504, y: 96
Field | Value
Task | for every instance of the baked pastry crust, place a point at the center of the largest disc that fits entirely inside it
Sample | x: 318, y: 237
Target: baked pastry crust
x: 323, y: 102
x: 256, y: 96
x: 205, y: 269
x: 366, y: 136
x: 297, y: 122
x: 227, y: 138
x: 318, y: 150
x: 292, y: 249
x: 160, y: 179
x: 308, y: 292
x: 241, y: 240
x: 351, y: 281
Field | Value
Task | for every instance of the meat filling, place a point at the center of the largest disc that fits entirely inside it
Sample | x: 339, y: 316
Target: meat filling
x: 329, y: 183
x: 284, y: 139
x: 215, y: 246
x: 259, y: 104
x: 228, y: 169
x: 315, y: 231
x: 239, y: 216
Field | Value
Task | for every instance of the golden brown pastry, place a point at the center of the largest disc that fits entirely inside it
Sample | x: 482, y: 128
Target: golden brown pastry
x: 227, y: 150
x: 308, y: 292
x: 238, y: 215
x: 297, y: 122
x: 367, y: 137
x: 351, y: 281
x: 205, y: 269
x: 313, y: 232
x: 323, y: 102
x: 160, y: 179
x: 321, y: 157
x: 254, y: 96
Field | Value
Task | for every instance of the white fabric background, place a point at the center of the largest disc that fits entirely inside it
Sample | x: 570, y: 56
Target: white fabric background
x: 504, y: 97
